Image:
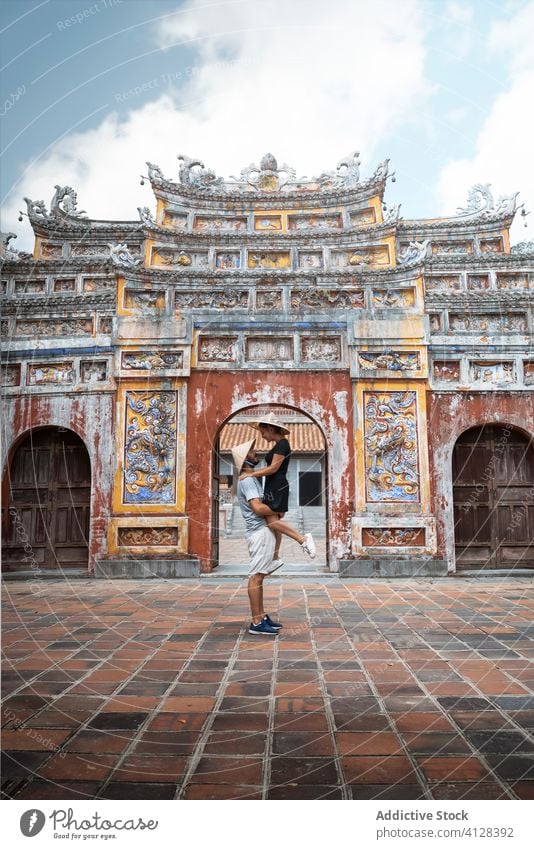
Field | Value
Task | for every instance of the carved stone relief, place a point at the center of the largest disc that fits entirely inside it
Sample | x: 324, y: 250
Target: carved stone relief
x: 51, y: 251
x: 179, y: 259
x: 478, y: 282
x: 219, y: 224
x: 327, y: 298
x: 393, y: 297
x: 444, y: 282
x: 150, y: 448
x: 363, y: 217
x: 528, y: 371
x: 452, y: 248
x: 65, y: 285
x: 225, y: 299
x: 491, y: 246
x: 99, y: 284
x: 489, y: 323
x: 269, y: 299
x: 390, y: 439
x: 512, y: 281
x: 487, y: 372
x: 134, y: 299
x: 54, y: 327
x: 320, y: 349
x: 29, y: 287
x: 268, y: 222
x: 105, y: 324
x: 310, y: 259
x: 363, y: 255
x: 10, y: 375
x: 315, y: 222
x: 227, y: 259
x: 174, y: 220
x: 93, y: 371
x: 269, y: 349
x: 218, y: 349
x: 447, y: 370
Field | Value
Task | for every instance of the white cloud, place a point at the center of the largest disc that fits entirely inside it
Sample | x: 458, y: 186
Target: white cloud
x: 305, y: 79
x: 503, y: 154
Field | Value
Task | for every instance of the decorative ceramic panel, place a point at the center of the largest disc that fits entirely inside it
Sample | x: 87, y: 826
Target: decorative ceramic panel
x: 269, y: 299
x: 217, y: 349
x: 50, y: 373
x: 394, y: 297
x: 488, y: 372
x: 491, y: 246
x: 175, y: 220
x: 105, y: 324
x: 447, y: 370
x: 312, y: 298
x: 151, y: 299
x: 363, y: 255
x: 150, y: 448
x: 390, y: 438
x: 101, y: 249
x: 443, y: 283
x: 269, y: 259
x: 225, y: 299
x: 10, y: 375
x: 269, y: 349
x: 315, y: 222
x: 93, y: 371
x: 392, y: 536
x: 310, y: 259
x: 227, y: 259
x: 389, y: 360
x: 363, y: 217
x: 268, y: 222
x: 151, y: 360
x: 477, y: 282
x: 452, y: 248
x: 54, y: 327
x: 65, y: 285
x: 528, y: 370
x: 218, y: 224
x: 99, y: 284
x: 29, y: 287
x: 435, y: 322
x: 489, y: 323
x: 322, y: 349
x: 51, y: 251
x: 147, y: 536
x: 169, y: 258
x: 512, y: 281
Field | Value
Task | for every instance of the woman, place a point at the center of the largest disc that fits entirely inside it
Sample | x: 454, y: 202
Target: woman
x: 276, y: 489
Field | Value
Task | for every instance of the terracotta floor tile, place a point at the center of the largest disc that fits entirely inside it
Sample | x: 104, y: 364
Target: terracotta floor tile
x: 105, y: 742
x: 423, y: 721
x: 235, y: 743
x: 289, y: 723
x: 367, y: 722
x: 427, y: 742
x: 222, y: 791
x: 34, y: 739
x: 303, y: 744
x: 240, y: 722
x: 478, y: 790
x: 296, y: 791
x: 140, y: 790
x: 384, y: 791
x: 166, y: 743
x: 228, y: 770
x: 170, y: 721
x: 187, y: 704
x: 452, y: 769
x: 359, y: 743
x: 151, y: 769
x: 79, y: 767
x: 386, y: 769
x: 38, y: 789
x: 285, y: 770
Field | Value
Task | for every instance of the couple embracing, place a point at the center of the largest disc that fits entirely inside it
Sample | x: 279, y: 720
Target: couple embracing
x: 263, y: 511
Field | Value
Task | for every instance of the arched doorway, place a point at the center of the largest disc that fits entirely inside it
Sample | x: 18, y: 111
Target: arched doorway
x: 493, y: 488
x: 49, y: 486
x: 308, y: 481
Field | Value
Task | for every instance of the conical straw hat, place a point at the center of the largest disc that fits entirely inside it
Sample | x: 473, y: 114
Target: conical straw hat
x: 270, y: 420
x: 239, y: 453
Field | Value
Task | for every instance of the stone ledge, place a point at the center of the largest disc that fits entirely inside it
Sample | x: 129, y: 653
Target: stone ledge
x: 392, y: 568
x: 147, y: 568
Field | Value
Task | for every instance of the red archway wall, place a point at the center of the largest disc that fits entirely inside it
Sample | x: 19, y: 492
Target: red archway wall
x: 215, y: 396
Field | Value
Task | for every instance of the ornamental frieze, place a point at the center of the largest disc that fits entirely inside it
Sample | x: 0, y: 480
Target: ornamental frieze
x: 150, y: 448
x: 492, y: 372
x: 54, y: 327
x: 10, y: 375
x: 269, y: 299
x: 314, y: 222
x: 391, y: 447
x: 151, y: 360
x: 144, y: 300
x: 93, y: 371
x: 327, y: 298
x: 489, y: 323
x: 393, y: 536
x: 50, y: 373
x: 323, y: 349
x: 217, y: 349
x: 447, y: 370
x: 394, y: 298
x: 147, y: 536
x: 269, y: 349
x: 389, y: 360
x: 226, y: 299
x: 218, y: 224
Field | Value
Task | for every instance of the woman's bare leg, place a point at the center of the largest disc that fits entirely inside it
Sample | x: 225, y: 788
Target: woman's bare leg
x: 282, y: 527
x: 271, y: 520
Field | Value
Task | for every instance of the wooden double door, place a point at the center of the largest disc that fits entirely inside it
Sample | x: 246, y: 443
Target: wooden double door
x: 48, y: 509
x: 493, y: 486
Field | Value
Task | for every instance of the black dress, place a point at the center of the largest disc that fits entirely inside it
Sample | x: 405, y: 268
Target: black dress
x: 276, y: 489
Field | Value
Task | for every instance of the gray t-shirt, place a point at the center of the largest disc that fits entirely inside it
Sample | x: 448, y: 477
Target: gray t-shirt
x: 247, y: 489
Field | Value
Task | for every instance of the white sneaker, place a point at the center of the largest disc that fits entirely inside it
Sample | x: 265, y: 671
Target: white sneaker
x: 277, y: 563
x: 309, y: 546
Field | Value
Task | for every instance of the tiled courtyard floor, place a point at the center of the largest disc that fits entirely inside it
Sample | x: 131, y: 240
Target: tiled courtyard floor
x: 379, y: 689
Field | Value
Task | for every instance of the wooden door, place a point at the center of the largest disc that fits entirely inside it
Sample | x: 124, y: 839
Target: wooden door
x: 493, y: 486
x: 49, y: 503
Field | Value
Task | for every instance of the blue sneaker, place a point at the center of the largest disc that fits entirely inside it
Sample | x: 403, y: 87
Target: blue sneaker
x: 263, y: 628
x: 270, y: 622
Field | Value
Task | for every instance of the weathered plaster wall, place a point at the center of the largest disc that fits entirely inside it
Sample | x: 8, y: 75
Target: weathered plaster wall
x: 214, y: 397
x: 91, y: 417
x: 449, y: 415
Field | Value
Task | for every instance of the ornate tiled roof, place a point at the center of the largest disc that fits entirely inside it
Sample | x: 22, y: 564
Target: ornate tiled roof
x: 304, y: 437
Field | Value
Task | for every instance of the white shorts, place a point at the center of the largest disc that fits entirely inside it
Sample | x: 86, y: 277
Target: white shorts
x: 261, y: 549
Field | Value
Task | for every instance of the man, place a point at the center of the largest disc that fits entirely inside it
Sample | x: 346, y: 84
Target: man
x: 260, y: 537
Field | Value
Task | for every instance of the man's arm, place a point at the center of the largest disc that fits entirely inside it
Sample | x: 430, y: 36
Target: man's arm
x: 260, y: 508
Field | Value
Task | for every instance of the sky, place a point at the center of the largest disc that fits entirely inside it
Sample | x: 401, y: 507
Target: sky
x: 91, y: 90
